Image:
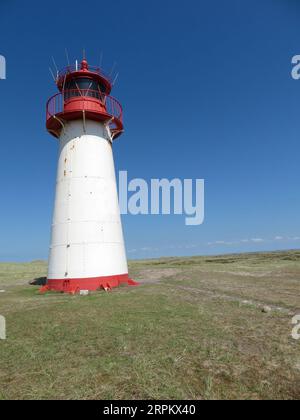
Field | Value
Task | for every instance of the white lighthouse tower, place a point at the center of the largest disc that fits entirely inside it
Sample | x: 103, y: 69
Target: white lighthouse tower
x: 87, y: 247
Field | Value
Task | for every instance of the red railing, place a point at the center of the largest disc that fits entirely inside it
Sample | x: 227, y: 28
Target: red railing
x: 70, y: 69
x: 56, y: 103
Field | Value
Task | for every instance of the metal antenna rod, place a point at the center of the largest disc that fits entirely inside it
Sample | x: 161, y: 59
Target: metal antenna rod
x: 67, y: 56
x: 113, y: 68
x: 55, y: 64
x: 115, y: 79
x: 83, y: 53
x: 52, y: 74
x: 100, y: 61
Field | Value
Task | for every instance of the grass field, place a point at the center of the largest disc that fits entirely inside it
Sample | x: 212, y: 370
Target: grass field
x: 194, y: 329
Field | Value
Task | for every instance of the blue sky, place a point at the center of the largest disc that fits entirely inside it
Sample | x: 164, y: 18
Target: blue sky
x: 207, y: 93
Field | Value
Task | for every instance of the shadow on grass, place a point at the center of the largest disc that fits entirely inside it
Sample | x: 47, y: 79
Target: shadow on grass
x: 38, y: 281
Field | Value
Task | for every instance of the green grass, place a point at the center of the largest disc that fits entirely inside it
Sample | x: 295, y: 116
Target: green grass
x: 185, y: 333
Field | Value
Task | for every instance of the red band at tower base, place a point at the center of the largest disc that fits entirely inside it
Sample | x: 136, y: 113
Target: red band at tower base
x: 89, y: 283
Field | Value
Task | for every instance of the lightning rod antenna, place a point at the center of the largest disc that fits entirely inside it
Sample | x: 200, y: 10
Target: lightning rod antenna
x: 55, y: 65
x: 115, y: 79
x: 113, y: 68
x: 52, y: 74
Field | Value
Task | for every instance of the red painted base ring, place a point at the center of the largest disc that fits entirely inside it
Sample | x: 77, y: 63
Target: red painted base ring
x: 90, y: 283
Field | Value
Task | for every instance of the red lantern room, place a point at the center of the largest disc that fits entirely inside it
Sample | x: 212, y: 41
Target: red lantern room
x: 84, y: 94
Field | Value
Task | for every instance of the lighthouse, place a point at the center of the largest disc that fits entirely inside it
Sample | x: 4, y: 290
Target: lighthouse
x: 87, y: 248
